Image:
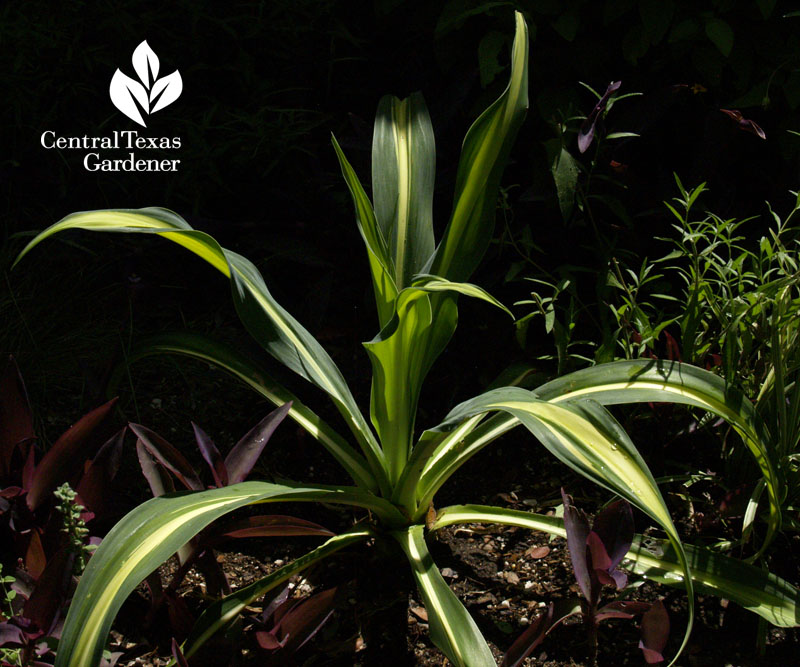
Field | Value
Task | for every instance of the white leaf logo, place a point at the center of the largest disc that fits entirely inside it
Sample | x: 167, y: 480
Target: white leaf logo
x: 137, y: 99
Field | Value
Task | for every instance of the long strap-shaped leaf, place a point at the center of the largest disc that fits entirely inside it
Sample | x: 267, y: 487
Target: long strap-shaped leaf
x: 586, y: 437
x: 381, y: 264
x: 644, y: 380
x: 483, y: 157
x: 583, y: 435
x: 270, y: 324
x: 403, y: 353
x: 449, y: 451
x: 761, y: 592
x: 401, y: 356
x: 451, y: 627
x: 222, y: 612
x: 439, y: 454
x: 149, y: 534
x: 403, y: 170
x: 428, y: 453
x: 225, y: 357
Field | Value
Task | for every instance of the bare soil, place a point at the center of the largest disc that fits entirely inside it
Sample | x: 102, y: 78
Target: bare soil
x: 505, y: 576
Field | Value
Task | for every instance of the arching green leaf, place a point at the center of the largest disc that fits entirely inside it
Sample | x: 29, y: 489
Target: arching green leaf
x: 151, y: 533
x: 270, y: 324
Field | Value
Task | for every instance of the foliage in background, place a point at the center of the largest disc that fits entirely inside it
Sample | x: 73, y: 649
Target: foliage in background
x: 42, y: 519
x: 738, y: 314
x: 725, y: 299
x: 160, y: 463
x: 585, y: 188
x: 271, y: 80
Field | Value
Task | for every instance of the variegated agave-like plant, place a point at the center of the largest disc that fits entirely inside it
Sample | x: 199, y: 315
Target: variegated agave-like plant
x: 395, y: 474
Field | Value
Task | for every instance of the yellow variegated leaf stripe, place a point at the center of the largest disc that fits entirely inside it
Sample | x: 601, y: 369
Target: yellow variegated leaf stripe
x: 401, y: 128
x: 761, y: 592
x: 483, y: 156
x: 589, y: 448
x: 429, y: 283
x: 258, y: 310
x: 587, y: 438
x: 137, y: 220
x: 424, y: 455
x: 451, y: 627
x: 149, y: 534
x: 403, y: 169
x: 453, y: 453
x: 230, y: 360
x: 381, y: 264
x: 645, y: 380
x: 401, y: 356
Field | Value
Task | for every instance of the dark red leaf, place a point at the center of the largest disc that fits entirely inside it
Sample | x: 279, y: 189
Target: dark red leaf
x: 180, y: 618
x: 44, y: 603
x: 95, y: 488
x: 673, y: 351
x: 35, y: 558
x: 597, y: 550
x: 29, y: 469
x: 605, y: 615
x: 168, y: 456
x: 16, y: 417
x: 216, y: 582
x: 276, y: 602
x: 577, y: 527
x: 655, y: 631
x: 614, y: 527
x: 586, y: 134
x: 212, y: 456
x: 241, y: 459
x: 744, y: 123
x: 154, y: 587
x: 305, y: 619
x: 281, y: 610
x: 156, y: 475
x: 528, y: 640
x: 268, y: 641
x: 180, y: 659
x: 67, y: 456
x: 604, y: 570
x: 613, y: 577
x: 11, y: 492
x: 269, y: 526
x: 622, y: 609
x: 11, y: 634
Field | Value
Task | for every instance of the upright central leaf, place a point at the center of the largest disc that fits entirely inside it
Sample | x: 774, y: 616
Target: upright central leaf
x: 483, y: 157
x: 401, y: 356
x: 398, y: 232
x: 403, y: 170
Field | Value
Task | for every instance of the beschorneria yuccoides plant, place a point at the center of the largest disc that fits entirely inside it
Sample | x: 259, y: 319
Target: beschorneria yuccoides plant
x: 395, y: 471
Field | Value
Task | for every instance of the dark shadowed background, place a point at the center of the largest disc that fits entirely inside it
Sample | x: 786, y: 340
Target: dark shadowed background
x: 265, y: 84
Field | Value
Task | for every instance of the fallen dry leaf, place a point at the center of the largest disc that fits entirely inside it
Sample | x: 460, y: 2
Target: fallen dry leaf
x: 420, y: 613
x: 538, y: 552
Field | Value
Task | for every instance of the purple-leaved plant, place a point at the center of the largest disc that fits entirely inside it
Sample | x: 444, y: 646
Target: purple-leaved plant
x: 595, y: 551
